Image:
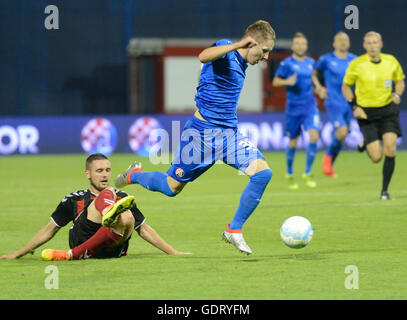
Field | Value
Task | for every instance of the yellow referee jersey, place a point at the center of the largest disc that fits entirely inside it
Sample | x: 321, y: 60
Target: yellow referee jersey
x: 373, y: 81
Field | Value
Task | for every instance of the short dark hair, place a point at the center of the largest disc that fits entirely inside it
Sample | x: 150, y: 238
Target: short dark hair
x: 299, y: 35
x: 93, y: 157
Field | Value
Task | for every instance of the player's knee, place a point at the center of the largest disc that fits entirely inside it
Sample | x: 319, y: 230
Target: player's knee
x: 112, y: 190
x: 173, y: 191
x: 341, y: 133
x: 390, y: 151
x: 313, y: 137
x: 376, y: 157
x: 293, y: 143
x: 126, y: 220
x: 175, y: 187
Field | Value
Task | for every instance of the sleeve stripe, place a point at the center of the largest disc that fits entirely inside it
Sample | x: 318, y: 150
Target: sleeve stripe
x: 57, y: 223
x: 136, y: 227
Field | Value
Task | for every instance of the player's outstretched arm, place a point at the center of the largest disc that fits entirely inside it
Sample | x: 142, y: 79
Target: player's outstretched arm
x: 216, y: 52
x: 41, y: 237
x: 151, y: 236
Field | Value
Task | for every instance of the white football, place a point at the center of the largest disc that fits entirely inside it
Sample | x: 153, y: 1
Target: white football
x: 296, y: 232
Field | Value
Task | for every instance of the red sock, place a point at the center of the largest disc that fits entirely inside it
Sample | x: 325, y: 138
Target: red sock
x: 103, y: 238
x: 103, y: 200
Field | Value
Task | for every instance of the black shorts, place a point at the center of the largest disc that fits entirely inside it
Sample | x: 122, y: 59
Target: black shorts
x: 83, y: 229
x: 379, y: 121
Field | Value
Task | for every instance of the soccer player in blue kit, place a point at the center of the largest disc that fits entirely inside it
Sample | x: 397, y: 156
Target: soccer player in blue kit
x: 333, y: 67
x: 213, y: 129
x: 296, y: 74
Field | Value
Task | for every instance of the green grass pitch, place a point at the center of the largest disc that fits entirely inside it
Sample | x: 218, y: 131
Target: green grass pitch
x: 352, y: 228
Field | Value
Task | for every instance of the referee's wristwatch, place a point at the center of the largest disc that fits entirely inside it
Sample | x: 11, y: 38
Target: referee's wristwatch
x: 353, y: 104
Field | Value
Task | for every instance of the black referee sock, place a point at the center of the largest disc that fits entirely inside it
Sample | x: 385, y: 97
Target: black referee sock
x: 388, y: 168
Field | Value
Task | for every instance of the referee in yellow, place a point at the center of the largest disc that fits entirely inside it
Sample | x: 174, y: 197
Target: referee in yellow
x: 376, y: 104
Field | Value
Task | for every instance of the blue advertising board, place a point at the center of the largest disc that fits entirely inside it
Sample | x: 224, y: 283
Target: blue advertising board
x: 143, y: 134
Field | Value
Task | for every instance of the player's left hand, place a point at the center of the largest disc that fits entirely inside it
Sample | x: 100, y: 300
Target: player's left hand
x: 396, y: 98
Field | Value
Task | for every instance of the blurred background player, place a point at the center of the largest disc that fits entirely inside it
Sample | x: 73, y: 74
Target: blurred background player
x: 375, y: 104
x: 332, y: 67
x: 86, y: 209
x: 220, y: 84
x: 296, y: 74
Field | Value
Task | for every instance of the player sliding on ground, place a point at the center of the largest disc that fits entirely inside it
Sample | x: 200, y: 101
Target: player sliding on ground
x: 214, y: 129
x: 103, y: 221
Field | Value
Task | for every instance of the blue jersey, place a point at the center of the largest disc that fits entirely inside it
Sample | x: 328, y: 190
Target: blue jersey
x: 333, y: 70
x: 300, y: 96
x: 220, y: 84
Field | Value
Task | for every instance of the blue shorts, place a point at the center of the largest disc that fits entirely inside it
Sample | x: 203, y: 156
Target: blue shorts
x: 339, y: 116
x: 203, y: 143
x: 308, y: 121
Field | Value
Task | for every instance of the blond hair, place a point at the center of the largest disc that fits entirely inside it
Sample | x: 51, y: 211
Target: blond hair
x: 261, y: 30
x: 373, y: 33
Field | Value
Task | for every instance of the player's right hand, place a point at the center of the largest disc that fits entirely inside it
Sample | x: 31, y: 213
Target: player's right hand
x: 180, y: 253
x: 247, y: 42
x: 9, y: 256
x: 359, y: 113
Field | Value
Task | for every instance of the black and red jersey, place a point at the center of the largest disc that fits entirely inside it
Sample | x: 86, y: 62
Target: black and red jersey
x: 73, y: 205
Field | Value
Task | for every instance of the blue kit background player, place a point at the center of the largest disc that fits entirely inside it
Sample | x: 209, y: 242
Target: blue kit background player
x: 332, y: 66
x: 296, y: 74
x: 211, y: 134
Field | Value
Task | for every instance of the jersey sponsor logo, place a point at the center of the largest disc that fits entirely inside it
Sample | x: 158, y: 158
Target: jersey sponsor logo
x: 179, y: 172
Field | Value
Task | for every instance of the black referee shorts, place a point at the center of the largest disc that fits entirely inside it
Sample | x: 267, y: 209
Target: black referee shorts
x: 380, y: 121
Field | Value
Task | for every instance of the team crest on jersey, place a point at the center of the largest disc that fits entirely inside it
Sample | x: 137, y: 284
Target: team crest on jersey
x: 179, y: 173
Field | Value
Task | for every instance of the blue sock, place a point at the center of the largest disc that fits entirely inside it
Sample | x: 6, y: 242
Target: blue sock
x: 250, y: 198
x: 290, y: 154
x: 154, y: 181
x: 334, y: 148
x: 310, y: 157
